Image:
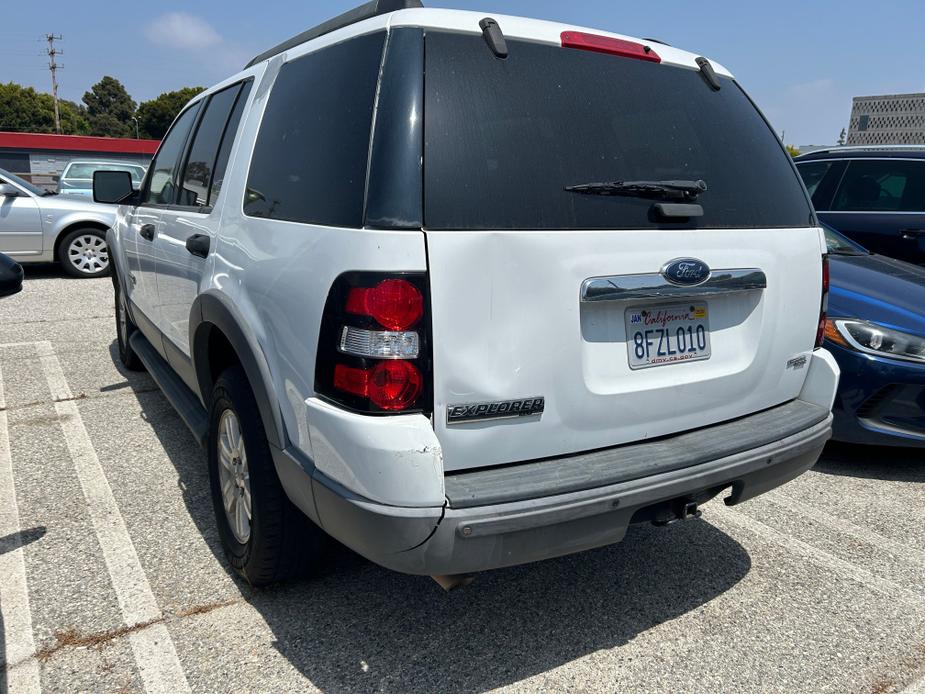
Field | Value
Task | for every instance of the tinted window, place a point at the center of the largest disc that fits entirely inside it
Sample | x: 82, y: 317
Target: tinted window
x: 201, y: 160
x: 224, y: 152
x: 813, y: 173
x: 882, y: 185
x: 309, y: 162
x: 504, y: 137
x: 162, y: 187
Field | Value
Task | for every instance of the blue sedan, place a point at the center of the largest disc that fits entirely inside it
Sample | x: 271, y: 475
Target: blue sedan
x: 876, y: 331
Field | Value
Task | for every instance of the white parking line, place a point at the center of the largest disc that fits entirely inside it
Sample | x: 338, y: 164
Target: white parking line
x: 153, y: 647
x: 917, y: 687
x: 911, y: 555
x: 824, y: 559
x: 19, y: 645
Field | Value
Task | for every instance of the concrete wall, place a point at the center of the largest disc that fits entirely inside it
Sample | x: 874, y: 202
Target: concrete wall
x: 891, y: 119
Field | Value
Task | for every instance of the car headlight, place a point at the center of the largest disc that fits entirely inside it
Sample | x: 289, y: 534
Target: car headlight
x: 871, y: 338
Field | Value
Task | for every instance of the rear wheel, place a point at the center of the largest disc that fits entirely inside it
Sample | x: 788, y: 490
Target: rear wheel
x: 265, y: 537
x: 125, y: 328
x: 84, y: 253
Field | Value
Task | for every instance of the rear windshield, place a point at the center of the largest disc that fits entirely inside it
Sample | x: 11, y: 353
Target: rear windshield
x: 503, y: 138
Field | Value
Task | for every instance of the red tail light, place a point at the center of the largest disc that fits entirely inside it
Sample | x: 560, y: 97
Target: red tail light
x: 395, y: 304
x: 391, y: 385
x: 608, y: 44
x: 824, y: 307
x: 374, y: 344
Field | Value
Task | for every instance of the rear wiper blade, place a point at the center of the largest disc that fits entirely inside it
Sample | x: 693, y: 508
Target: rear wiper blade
x: 663, y: 190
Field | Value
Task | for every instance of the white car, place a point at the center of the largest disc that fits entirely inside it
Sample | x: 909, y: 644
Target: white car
x: 475, y: 305
x: 37, y: 226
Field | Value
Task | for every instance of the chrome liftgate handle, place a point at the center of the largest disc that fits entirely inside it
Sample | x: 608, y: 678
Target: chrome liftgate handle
x: 655, y: 286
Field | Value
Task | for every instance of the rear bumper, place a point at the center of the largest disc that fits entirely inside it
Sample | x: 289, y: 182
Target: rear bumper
x: 455, y: 540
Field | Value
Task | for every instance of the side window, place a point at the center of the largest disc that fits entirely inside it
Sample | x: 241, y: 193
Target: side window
x: 200, y: 163
x: 224, y: 152
x: 882, y: 185
x: 813, y: 173
x: 309, y: 161
x: 161, y: 187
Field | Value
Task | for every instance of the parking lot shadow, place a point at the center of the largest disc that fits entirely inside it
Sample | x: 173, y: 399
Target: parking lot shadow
x: 873, y: 462
x: 357, y: 627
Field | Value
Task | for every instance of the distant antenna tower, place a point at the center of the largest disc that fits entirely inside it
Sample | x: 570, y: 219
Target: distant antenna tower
x: 53, y: 67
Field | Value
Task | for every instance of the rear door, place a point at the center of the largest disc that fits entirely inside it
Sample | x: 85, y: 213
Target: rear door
x: 186, y: 232
x: 880, y: 203
x: 553, y: 302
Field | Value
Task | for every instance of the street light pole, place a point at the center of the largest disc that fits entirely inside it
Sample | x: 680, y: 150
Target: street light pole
x: 136, y: 126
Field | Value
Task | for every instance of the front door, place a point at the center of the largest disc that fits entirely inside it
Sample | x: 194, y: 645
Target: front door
x: 20, y: 223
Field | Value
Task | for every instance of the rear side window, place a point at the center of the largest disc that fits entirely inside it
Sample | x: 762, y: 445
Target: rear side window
x: 503, y: 138
x: 813, y: 173
x: 197, y: 176
x: 309, y: 161
x: 162, y: 187
x: 882, y: 185
x: 224, y: 152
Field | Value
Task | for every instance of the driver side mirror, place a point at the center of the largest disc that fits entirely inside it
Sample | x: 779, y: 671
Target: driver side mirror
x: 8, y: 190
x: 112, y: 187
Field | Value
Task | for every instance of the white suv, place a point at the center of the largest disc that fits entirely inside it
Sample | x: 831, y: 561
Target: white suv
x: 468, y: 292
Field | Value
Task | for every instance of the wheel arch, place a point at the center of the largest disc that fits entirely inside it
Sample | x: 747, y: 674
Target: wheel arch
x: 217, y: 341
x: 75, y: 225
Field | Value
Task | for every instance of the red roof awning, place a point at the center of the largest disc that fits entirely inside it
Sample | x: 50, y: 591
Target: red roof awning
x: 77, y: 143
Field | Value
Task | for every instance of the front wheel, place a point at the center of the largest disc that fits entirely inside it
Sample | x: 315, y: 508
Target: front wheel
x: 84, y: 253
x: 125, y: 328
x: 265, y: 537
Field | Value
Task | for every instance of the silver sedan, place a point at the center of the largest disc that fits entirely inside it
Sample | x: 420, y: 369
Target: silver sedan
x: 37, y: 227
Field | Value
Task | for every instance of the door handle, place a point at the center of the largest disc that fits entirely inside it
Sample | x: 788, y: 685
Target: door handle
x: 147, y: 231
x: 912, y: 234
x: 198, y: 245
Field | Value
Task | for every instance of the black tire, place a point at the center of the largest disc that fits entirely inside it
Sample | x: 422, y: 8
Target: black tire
x: 125, y: 328
x: 282, y: 542
x: 76, y: 264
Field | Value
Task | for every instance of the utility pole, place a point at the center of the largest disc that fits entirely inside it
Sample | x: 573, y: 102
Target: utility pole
x: 53, y: 67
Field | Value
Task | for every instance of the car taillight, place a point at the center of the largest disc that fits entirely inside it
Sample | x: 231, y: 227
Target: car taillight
x: 824, y: 307
x: 374, y: 346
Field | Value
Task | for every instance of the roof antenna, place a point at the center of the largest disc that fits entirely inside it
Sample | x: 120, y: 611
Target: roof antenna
x: 491, y: 32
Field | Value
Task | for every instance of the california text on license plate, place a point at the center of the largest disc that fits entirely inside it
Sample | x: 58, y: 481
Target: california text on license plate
x: 660, y: 335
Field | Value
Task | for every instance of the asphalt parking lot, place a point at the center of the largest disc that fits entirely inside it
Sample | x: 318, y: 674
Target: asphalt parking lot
x: 112, y: 579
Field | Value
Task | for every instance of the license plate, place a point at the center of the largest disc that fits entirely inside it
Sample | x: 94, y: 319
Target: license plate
x: 660, y: 335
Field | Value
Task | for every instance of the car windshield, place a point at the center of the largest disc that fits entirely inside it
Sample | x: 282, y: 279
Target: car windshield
x: 35, y: 190
x: 85, y: 170
x: 841, y: 245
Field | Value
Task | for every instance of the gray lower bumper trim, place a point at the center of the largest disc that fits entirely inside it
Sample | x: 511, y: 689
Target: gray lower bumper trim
x: 465, y: 540
x: 633, y: 461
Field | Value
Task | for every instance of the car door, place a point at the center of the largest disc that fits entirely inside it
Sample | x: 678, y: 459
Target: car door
x: 158, y: 195
x: 186, y: 232
x: 20, y: 223
x: 880, y: 203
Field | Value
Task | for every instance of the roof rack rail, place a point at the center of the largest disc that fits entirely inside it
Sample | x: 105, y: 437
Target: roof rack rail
x: 863, y: 148
x: 370, y: 9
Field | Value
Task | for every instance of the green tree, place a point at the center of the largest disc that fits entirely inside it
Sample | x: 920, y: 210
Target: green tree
x: 22, y: 109
x: 841, y: 137
x: 110, y: 109
x: 793, y: 150
x: 156, y: 115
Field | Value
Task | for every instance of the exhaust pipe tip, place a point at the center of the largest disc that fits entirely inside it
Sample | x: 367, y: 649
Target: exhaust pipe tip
x: 454, y: 581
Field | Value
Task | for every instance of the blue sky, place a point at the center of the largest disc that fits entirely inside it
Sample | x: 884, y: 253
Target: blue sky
x: 801, y: 61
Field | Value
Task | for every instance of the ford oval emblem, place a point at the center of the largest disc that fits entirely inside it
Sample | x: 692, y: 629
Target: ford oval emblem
x: 686, y: 272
